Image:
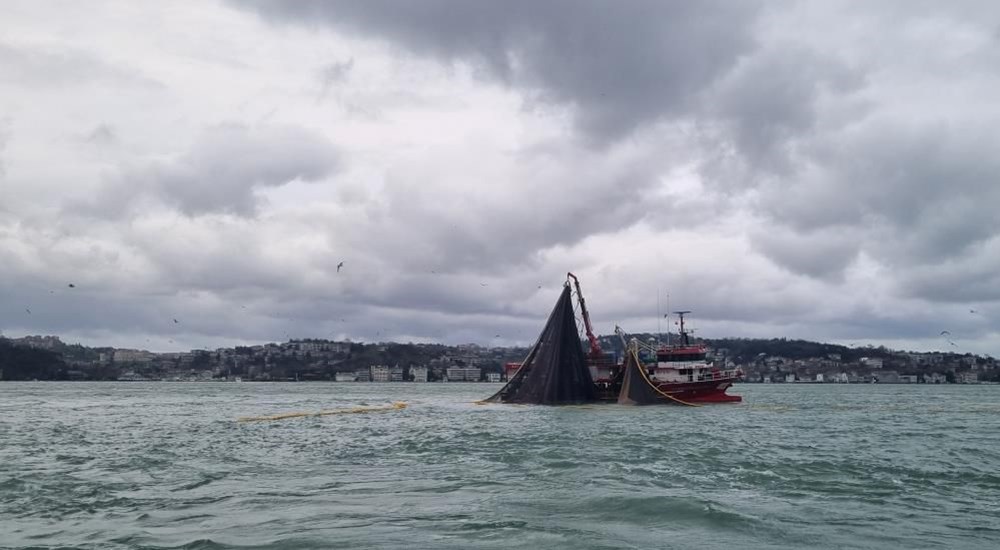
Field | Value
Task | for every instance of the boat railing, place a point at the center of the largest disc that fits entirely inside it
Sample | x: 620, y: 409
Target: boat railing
x: 712, y: 375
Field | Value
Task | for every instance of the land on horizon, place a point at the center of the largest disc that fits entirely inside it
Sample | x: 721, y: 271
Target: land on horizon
x: 763, y: 360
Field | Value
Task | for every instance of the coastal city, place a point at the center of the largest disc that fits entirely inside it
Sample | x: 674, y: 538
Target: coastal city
x: 761, y: 361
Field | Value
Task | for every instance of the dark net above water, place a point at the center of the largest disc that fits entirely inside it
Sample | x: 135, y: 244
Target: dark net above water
x: 636, y: 388
x: 555, y: 371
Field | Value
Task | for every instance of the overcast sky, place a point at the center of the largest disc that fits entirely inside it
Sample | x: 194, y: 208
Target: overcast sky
x: 821, y: 170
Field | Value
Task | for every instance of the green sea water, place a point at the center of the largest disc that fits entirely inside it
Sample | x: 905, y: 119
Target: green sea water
x: 166, y: 465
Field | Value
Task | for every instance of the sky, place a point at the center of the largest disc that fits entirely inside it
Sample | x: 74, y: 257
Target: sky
x: 199, y: 170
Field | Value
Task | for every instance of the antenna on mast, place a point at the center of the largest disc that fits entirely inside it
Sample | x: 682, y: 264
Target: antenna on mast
x: 659, y: 331
x: 683, y: 333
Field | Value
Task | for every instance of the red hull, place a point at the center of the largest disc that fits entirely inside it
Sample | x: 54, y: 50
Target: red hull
x: 711, y: 391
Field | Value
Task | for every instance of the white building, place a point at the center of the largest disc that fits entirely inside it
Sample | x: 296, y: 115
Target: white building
x: 493, y: 377
x: 132, y: 356
x: 872, y: 362
x: 464, y: 374
x: 419, y: 374
x: 380, y: 373
x: 967, y: 377
x: 396, y: 374
x: 345, y: 377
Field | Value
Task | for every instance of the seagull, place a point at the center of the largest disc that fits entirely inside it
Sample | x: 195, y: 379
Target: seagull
x: 483, y: 284
x: 943, y: 332
x: 175, y: 321
x: 28, y: 310
x: 340, y: 265
x: 953, y: 343
x: 71, y: 285
x: 973, y: 311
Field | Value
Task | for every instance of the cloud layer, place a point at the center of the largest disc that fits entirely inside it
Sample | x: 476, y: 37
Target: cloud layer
x: 818, y: 171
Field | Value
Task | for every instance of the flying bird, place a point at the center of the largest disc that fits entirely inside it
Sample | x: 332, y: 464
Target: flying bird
x: 943, y: 332
x: 28, y: 310
x: 71, y: 285
x: 973, y: 311
x: 483, y: 284
x: 340, y: 265
x: 953, y: 343
x: 175, y: 321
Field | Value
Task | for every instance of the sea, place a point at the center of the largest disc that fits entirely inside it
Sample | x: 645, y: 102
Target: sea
x: 170, y: 465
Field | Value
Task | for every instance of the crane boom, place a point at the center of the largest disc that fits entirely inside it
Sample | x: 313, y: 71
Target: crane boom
x: 595, y: 346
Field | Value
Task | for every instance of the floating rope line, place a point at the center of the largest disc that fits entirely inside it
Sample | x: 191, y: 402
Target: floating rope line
x: 642, y: 371
x: 397, y: 405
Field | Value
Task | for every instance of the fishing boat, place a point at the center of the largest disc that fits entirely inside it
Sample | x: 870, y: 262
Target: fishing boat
x: 679, y: 373
x: 684, y: 371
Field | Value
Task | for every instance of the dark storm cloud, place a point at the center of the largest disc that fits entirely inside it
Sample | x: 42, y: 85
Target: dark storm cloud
x: 619, y: 64
x: 222, y: 169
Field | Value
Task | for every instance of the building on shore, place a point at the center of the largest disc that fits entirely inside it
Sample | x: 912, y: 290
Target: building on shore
x: 418, y: 374
x: 968, y: 377
x: 380, y: 373
x: 493, y: 377
x: 396, y: 374
x: 345, y: 377
x: 363, y: 375
x: 464, y: 374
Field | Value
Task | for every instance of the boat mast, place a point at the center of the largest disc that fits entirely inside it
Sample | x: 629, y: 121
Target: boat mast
x: 595, y: 346
x: 683, y: 333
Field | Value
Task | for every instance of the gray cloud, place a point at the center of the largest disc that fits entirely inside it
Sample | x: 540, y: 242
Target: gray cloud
x: 222, y: 170
x: 334, y: 74
x: 806, y: 169
x: 102, y: 134
x: 620, y: 65
x: 39, y: 66
x: 4, y: 136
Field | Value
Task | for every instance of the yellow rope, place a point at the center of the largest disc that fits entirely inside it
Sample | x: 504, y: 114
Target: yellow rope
x: 356, y: 410
x: 645, y: 377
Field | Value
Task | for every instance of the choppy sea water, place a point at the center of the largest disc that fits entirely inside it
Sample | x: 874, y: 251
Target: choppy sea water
x: 165, y: 465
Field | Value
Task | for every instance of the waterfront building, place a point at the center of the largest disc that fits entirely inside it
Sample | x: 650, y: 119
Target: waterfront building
x: 396, y: 374
x: 967, y: 377
x: 418, y: 374
x: 363, y: 375
x: 380, y: 373
x: 345, y: 377
x: 493, y: 377
x: 464, y: 374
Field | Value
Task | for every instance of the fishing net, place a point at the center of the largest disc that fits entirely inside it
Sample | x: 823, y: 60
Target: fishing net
x: 555, y: 371
x: 638, y: 389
